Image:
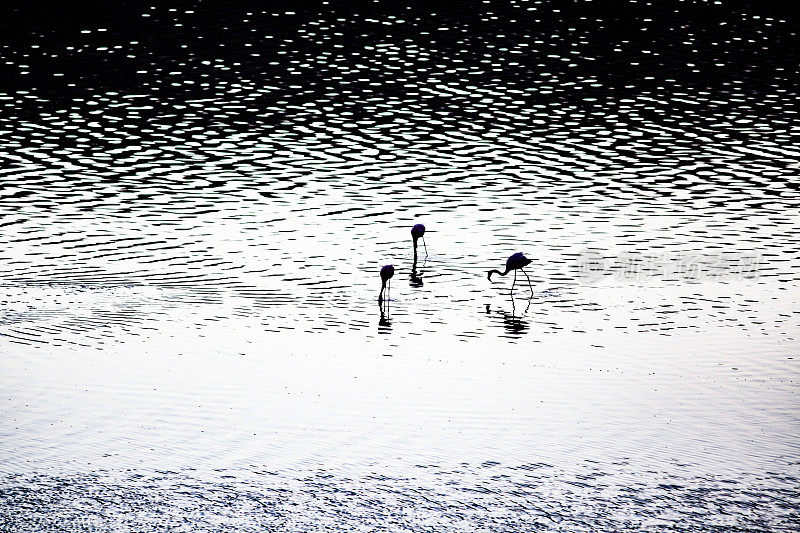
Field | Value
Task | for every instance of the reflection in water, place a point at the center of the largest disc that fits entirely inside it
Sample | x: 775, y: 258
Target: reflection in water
x: 384, y: 323
x: 512, y: 323
x: 416, y: 277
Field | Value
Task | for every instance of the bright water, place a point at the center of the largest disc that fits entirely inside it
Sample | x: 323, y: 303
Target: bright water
x: 195, y: 205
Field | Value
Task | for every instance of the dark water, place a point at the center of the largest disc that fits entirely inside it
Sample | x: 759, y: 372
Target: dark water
x: 195, y: 202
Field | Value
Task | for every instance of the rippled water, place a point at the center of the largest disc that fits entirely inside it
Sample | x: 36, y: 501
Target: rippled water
x: 195, y: 203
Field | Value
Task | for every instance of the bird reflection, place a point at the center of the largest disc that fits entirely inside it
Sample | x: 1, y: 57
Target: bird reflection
x: 416, y: 277
x: 514, y: 325
x: 384, y: 323
x: 511, y: 322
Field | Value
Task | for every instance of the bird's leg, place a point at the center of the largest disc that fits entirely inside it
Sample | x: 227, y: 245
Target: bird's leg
x: 515, y: 282
x: 426, y: 246
x: 529, y: 281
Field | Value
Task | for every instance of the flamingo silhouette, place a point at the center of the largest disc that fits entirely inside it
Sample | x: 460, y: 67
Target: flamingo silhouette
x: 416, y: 232
x: 386, y: 274
x: 516, y: 261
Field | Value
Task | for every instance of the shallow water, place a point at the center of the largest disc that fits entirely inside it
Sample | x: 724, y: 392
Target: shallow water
x: 195, y: 206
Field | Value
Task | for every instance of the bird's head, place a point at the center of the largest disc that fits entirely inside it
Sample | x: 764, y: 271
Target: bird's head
x: 387, y: 272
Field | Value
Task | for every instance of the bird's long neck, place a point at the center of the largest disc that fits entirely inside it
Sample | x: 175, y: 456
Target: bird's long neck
x: 498, y: 272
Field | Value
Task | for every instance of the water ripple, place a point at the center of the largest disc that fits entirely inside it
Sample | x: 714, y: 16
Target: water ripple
x: 222, y: 184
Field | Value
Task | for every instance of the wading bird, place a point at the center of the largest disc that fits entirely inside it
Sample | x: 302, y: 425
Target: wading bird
x: 416, y: 232
x: 516, y: 261
x: 386, y: 274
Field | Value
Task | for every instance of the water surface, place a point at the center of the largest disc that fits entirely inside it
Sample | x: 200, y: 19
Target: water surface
x: 195, y: 204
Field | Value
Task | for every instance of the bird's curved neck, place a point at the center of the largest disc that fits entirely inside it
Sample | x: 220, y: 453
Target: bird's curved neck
x: 498, y: 272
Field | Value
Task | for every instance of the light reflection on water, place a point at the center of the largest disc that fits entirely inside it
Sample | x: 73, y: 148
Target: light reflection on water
x: 190, y: 272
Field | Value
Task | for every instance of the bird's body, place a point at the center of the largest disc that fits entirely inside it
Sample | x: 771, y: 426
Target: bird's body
x: 515, y: 262
x: 386, y: 274
x: 518, y: 260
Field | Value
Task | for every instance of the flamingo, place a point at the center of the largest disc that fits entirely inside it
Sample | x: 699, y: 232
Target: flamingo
x: 516, y: 261
x: 386, y: 274
x: 416, y: 232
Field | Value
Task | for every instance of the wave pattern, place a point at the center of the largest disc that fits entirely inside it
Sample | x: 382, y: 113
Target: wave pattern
x: 223, y: 184
x: 492, y: 498
x: 281, y: 172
